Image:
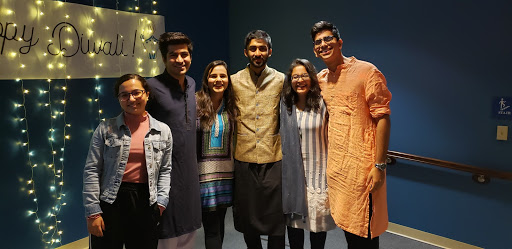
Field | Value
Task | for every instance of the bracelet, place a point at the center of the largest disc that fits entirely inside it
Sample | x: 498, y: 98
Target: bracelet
x: 381, y: 166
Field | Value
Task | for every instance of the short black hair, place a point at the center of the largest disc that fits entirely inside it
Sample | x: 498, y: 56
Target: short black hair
x: 324, y: 25
x: 126, y: 77
x: 258, y: 34
x: 173, y: 38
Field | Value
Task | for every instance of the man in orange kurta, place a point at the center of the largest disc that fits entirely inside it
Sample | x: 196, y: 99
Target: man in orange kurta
x: 357, y: 100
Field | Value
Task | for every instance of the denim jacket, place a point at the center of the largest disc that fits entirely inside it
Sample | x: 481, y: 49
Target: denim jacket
x: 108, y: 155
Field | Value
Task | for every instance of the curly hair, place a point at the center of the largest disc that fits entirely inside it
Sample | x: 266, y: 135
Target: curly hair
x: 204, y: 106
x: 313, y: 97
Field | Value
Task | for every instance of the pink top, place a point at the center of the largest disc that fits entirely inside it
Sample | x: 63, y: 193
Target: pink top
x: 136, y: 171
x: 355, y: 95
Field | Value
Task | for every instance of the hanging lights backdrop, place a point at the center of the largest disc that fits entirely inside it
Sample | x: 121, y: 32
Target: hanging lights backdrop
x: 45, y: 47
x: 56, y: 40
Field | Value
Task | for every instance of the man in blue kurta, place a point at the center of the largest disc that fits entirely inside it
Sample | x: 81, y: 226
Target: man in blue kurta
x: 173, y: 102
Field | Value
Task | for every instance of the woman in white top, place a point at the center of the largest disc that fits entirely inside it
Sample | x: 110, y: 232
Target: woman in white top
x: 304, y: 145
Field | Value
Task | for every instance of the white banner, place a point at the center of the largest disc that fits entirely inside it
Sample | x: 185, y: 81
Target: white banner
x: 56, y: 40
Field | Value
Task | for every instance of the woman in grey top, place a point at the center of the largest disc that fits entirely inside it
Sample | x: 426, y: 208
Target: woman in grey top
x: 304, y: 145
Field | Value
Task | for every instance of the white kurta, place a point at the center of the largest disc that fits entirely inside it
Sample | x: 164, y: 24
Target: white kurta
x: 313, y: 135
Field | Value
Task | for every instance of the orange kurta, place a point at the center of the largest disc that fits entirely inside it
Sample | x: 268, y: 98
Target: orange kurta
x: 355, y: 95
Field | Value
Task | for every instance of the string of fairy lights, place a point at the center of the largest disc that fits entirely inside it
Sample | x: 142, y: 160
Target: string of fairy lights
x: 97, y: 86
x: 49, y: 225
x: 53, y: 101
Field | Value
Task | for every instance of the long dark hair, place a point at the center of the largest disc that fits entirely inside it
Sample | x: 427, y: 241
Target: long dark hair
x: 205, y: 111
x: 313, y: 97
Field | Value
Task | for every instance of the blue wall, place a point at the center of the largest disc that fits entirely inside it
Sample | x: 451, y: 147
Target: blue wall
x: 445, y: 61
x: 206, y: 26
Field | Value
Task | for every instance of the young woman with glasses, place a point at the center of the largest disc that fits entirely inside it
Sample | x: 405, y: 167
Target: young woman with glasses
x: 127, y: 172
x: 303, y: 129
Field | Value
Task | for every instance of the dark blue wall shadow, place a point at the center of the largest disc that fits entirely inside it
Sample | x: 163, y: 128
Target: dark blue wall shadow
x: 444, y: 61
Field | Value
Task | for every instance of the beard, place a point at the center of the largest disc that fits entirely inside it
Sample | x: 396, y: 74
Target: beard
x: 258, y: 64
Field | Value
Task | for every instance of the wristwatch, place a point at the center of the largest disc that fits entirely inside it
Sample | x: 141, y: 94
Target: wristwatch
x: 381, y: 166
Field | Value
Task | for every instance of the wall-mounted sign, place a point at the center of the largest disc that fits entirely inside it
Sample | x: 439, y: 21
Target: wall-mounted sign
x: 53, y: 39
x: 502, y: 107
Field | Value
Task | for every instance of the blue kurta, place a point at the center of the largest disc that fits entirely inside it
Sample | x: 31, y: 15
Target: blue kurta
x: 215, y: 162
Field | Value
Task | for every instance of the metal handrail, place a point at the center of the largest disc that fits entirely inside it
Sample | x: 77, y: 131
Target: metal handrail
x: 480, y: 175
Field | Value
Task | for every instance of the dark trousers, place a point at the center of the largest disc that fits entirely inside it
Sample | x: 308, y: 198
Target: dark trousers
x: 213, y: 224
x: 257, y: 199
x: 296, y: 238
x: 253, y: 241
x: 358, y: 242
x: 129, y: 221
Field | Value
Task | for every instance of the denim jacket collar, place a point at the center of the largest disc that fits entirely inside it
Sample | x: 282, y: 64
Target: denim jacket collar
x: 153, y: 125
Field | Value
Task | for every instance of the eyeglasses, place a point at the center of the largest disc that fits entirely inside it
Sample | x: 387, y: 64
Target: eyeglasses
x: 125, y: 96
x: 326, y: 39
x: 296, y: 77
